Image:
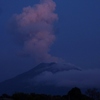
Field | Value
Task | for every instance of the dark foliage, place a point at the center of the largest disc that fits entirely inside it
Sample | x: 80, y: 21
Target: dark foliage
x: 73, y: 94
x: 93, y: 93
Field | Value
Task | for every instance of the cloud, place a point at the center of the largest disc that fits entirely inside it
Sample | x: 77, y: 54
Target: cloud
x: 33, y: 29
x: 83, y: 79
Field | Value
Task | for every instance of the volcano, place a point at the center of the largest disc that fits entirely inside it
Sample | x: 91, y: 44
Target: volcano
x: 34, y: 81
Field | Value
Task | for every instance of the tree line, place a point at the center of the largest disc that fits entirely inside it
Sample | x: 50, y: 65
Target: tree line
x: 73, y: 94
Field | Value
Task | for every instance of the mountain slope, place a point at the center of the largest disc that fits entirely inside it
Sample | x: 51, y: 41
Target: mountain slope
x: 26, y: 81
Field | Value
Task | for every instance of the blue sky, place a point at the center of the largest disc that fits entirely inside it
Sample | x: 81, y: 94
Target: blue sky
x: 77, y: 35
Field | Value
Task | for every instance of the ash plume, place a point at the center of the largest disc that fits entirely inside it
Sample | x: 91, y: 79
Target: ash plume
x: 34, y: 30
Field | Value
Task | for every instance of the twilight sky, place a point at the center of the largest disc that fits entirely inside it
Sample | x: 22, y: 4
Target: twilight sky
x: 75, y: 38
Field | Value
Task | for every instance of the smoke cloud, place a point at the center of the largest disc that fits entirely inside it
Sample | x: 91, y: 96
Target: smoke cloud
x: 34, y: 30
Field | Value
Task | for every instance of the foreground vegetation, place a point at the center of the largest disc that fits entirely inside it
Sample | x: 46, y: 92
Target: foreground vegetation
x: 73, y: 94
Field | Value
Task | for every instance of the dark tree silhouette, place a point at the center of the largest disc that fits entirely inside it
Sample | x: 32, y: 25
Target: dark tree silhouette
x: 75, y: 94
x: 93, y: 93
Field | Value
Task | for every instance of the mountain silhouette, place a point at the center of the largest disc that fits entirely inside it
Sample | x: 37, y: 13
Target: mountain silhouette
x: 25, y: 81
